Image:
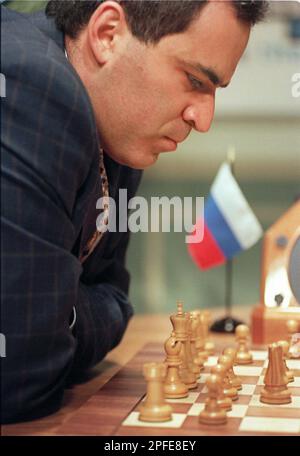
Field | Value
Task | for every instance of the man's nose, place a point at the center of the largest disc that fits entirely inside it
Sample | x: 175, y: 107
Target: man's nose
x: 200, y: 113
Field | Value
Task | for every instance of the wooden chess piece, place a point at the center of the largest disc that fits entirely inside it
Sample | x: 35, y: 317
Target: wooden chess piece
x: 179, y: 322
x: 243, y: 355
x: 229, y: 389
x: 200, y: 340
x: 213, y: 414
x: 173, y: 388
x: 285, y: 349
x: 275, y: 390
x: 198, y: 360
x: 292, y: 328
x: 223, y: 401
x: 235, y: 380
x: 193, y: 367
x: 155, y: 408
x: 209, y: 345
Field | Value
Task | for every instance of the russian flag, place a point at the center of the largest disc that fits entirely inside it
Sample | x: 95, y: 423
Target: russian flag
x: 230, y: 225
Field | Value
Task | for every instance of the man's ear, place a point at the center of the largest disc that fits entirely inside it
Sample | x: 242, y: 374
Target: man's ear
x: 105, y: 27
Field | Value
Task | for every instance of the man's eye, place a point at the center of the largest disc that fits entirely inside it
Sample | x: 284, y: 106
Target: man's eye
x: 195, y: 83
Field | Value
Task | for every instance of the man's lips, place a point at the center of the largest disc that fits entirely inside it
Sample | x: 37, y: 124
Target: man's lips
x: 170, y: 144
x: 177, y: 139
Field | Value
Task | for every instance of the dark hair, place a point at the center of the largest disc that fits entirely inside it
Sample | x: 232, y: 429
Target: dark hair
x: 148, y: 20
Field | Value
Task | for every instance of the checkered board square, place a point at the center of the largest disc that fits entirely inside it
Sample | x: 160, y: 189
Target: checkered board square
x: 248, y: 416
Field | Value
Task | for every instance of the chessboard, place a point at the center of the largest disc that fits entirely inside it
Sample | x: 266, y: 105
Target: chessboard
x: 114, y: 409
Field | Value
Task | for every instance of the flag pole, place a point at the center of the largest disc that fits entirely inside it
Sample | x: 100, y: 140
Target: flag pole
x: 228, y: 323
x: 229, y: 264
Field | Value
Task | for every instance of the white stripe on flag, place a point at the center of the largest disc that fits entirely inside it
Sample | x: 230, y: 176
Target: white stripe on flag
x: 235, y: 209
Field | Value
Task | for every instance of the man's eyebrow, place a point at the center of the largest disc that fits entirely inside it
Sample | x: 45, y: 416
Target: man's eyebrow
x: 211, y: 74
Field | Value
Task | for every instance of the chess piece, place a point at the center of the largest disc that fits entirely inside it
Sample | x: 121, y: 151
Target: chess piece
x: 275, y: 390
x: 174, y: 388
x: 193, y: 367
x: 209, y: 346
x: 229, y: 389
x: 223, y: 401
x: 292, y: 328
x: 213, y: 414
x: 197, y: 359
x: 285, y: 349
x: 200, y: 340
x: 155, y: 408
x: 243, y: 355
x: 235, y: 380
x: 179, y: 322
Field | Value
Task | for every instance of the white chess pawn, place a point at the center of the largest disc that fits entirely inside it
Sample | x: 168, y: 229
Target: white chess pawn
x: 235, y: 380
x: 243, y: 355
x: 292, y: 327
x: 285, y: 350
x: 224, y: 402
x: 213, y: 414
x: 229, y: 389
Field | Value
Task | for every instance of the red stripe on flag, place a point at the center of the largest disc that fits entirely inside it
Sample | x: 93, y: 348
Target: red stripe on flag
x: 206, y: 254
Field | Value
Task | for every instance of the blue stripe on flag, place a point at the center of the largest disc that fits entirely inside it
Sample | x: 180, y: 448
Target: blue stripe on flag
x: 220, y: 229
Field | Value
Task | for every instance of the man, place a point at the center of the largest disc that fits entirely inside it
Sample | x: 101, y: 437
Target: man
x: 94, y: 93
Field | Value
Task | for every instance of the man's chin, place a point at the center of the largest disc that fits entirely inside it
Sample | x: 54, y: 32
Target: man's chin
x: 142, y: 163
x: 135, y: 160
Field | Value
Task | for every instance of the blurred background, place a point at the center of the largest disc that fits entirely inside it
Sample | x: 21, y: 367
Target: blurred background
x: 260, y: 117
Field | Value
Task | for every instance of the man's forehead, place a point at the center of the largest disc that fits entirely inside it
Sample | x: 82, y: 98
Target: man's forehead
x: 211, y: 46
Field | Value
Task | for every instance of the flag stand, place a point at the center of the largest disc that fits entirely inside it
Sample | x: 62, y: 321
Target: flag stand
x: 227, y: 324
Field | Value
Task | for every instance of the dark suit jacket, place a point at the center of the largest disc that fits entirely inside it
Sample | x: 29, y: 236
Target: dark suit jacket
x: 50, y: 185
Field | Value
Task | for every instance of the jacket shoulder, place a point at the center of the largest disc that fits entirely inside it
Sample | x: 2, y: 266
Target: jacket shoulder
x: 8, y: 15
x: 46, y: 109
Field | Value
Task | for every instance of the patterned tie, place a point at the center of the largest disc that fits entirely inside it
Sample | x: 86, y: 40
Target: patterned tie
x: 98, y: 234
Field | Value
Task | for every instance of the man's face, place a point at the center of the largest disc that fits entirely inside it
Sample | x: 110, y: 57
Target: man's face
x: 150, y: 96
